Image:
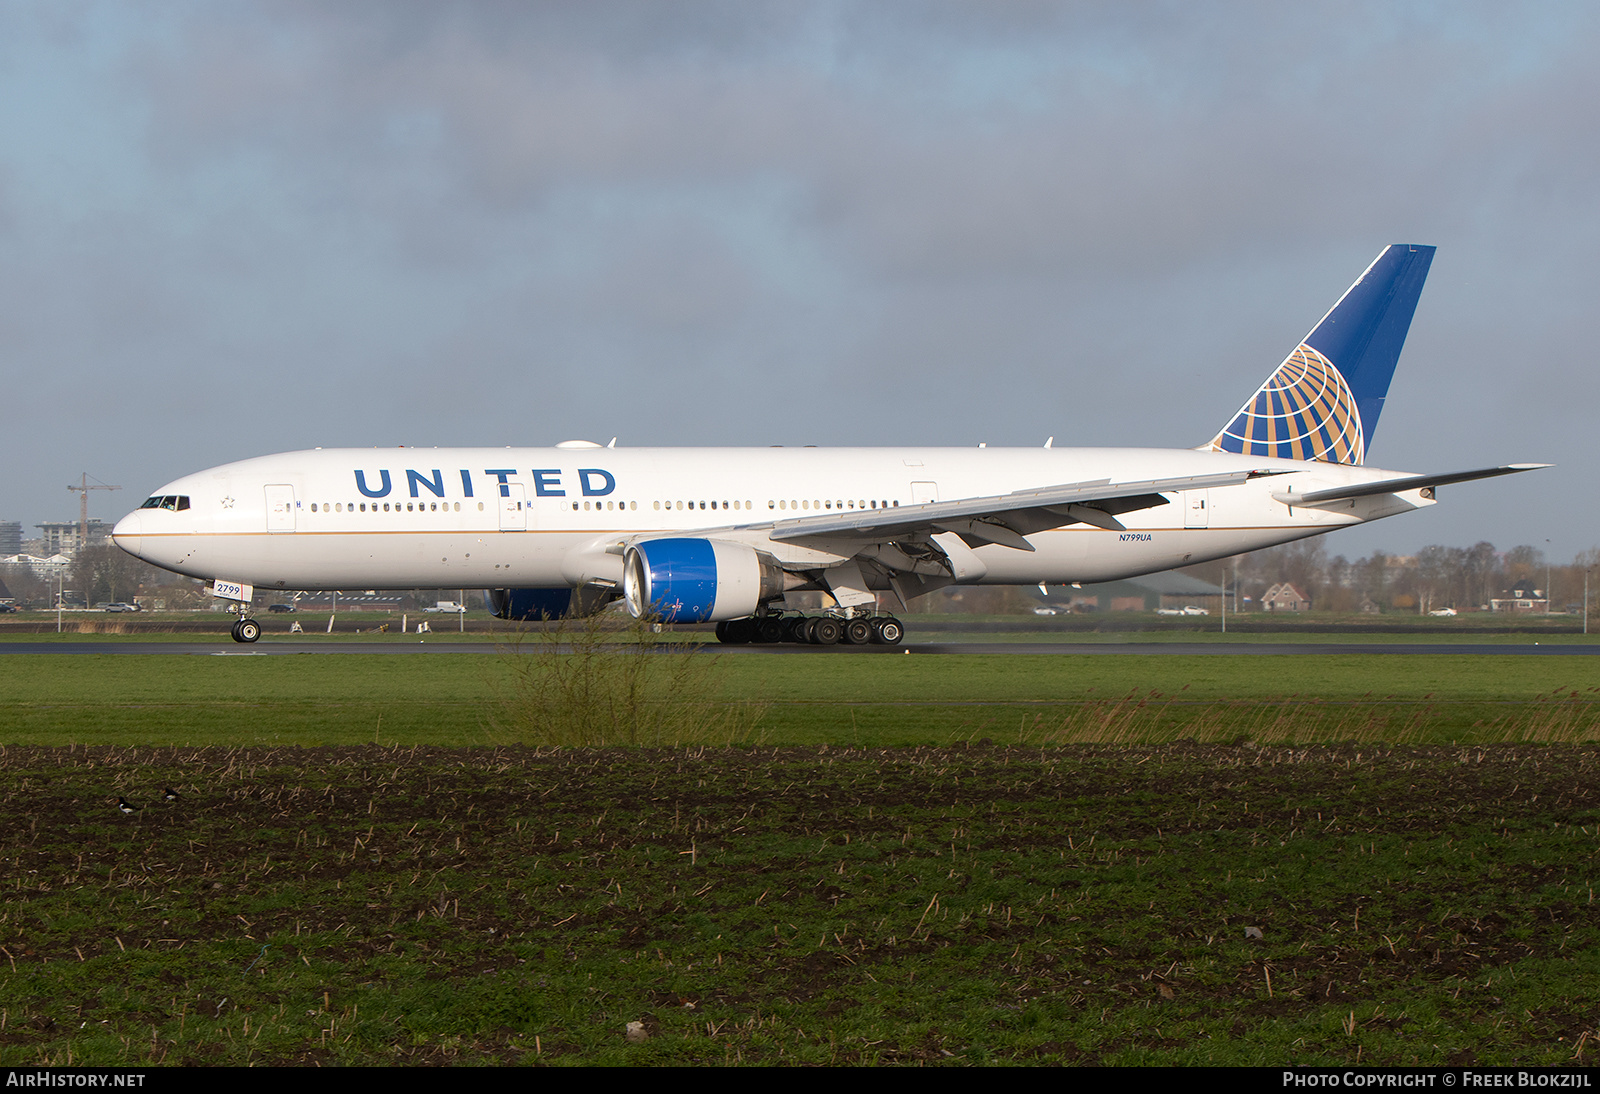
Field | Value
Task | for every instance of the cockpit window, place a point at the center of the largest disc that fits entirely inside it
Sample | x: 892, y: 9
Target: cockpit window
x: 169, y: 501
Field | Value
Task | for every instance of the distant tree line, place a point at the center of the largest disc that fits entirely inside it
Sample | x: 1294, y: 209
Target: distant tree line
x: 1464, y: 578
x: 105, y: 575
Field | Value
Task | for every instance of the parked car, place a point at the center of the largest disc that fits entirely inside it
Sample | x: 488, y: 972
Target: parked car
x: 119, y: 606
x: 280, y: 608
x: 1443, y: 611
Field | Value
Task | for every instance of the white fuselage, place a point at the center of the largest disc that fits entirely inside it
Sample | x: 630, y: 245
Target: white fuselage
x: 545, y: 517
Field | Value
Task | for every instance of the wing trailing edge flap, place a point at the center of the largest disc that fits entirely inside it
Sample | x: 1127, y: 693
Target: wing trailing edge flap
x: 1006, y: 519
x: 1396, y: 485
x: 848, y: 585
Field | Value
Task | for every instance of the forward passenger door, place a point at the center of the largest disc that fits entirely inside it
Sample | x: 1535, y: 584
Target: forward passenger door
x: 280, y: 508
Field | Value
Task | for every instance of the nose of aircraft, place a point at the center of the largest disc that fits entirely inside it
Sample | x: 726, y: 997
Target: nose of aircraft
x: 127, y: 532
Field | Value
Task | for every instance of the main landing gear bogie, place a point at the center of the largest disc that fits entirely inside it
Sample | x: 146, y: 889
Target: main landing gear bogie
x: 816, y: 630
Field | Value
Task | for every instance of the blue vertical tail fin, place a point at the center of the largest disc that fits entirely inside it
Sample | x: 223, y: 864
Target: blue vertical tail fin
x: 1323, y: 402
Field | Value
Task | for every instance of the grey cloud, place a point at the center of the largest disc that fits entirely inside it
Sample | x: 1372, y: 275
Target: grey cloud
x: 753, y: 223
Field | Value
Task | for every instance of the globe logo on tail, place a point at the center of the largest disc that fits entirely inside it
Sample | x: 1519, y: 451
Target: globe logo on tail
x: 1305, y: 411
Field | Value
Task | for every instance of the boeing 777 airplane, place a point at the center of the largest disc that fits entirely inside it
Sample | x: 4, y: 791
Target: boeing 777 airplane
x: 692, y: 535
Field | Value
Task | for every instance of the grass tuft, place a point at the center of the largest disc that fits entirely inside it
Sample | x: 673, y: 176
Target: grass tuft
x: 1565, y: 717
x: 590, y: 683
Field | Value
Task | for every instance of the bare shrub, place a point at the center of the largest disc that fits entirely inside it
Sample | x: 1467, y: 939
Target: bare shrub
x: 601, y: 681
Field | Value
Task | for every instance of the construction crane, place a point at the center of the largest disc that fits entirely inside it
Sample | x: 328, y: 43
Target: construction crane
x: 83, y: 489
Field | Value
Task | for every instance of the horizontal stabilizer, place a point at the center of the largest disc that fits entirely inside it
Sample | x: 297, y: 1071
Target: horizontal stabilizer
x: 1394, y: 486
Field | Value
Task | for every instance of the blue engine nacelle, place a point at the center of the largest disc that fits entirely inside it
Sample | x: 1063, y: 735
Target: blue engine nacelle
x: 531, y: 605
x: 698, y: 580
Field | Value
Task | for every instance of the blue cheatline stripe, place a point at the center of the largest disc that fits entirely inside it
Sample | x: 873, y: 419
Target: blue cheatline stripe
x: 683, y: 578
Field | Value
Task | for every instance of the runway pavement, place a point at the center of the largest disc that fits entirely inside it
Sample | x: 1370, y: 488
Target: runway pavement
x: 275, y: 648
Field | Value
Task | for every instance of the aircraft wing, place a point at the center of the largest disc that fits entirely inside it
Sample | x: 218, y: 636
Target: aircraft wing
x: 1408, y: 482
x: 1007, y: 518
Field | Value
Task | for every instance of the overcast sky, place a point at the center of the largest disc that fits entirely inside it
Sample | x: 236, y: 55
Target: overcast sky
x: 228, y: 229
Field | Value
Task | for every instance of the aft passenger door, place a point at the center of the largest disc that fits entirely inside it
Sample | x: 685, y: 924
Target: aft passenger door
x: 280, y: 508
x: 1197, y: 511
